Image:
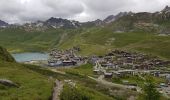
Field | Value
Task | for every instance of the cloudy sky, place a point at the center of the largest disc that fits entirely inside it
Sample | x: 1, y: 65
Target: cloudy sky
x: 20, y: 11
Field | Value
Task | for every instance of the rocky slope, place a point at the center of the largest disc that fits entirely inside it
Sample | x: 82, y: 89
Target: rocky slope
x: 157, y: 22
x: 3, y: 24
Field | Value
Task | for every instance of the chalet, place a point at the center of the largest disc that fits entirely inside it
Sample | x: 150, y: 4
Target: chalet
x: 69, y: 63
x: 108, y: 58
x: 110, y: 65
x: 108, y: 75
x: 77, y: 58
x: 116, y: 74
x: 128, y: 61
x: 97, y: 71
x: 55, y: 63
x: 93, y: 60
x: 126, y: 72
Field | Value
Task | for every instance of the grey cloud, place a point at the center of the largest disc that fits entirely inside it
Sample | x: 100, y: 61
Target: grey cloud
x: 83, y: 10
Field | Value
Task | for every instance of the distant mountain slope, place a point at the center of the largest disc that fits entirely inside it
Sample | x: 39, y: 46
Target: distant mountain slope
x: 157, y: 22
x: 52, y: 23
x: 62, y: 23
x: 3, y: 24
x: 144, y: 32
x: 5, y: 56
x: 20, y: 40
x: 133, y: 31
x: 112, y: 18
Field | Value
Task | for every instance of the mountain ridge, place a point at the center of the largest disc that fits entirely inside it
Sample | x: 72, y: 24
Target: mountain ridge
x: 57, y: 23
x: 3, y: 24
x: 135, y: 31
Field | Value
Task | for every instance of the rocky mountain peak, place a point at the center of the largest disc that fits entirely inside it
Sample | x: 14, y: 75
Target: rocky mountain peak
x: 109, y: 19
x: 112, y: 18
x: 166, y: 9
x: 62, y: 23
x: 3, y: 24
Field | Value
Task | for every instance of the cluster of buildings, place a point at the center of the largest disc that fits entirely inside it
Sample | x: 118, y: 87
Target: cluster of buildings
x: 122, y: 63
x: 65, y: 57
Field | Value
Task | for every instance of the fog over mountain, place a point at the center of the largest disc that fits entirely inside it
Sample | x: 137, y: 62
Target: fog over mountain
x: 20, y: 11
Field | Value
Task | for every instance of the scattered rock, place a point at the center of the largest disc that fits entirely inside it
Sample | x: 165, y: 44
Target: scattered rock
x: 8, y: 83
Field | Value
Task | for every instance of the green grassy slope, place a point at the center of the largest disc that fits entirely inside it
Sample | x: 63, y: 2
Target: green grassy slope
x: 5, y: 56
x: 34, y: 82
x: 18, y: 40
x: 102, y: 40
x: 76, y: 93
x: 93, y: 40
x: 32, y: 86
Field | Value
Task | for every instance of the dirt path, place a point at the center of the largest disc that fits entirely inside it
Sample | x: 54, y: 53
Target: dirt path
x: 100, y: 80
x: 57, y: 90
x: 57, y: 71
x: 104, y: 82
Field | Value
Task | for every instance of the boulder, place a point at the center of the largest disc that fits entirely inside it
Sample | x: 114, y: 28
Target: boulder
x: 8, y: 83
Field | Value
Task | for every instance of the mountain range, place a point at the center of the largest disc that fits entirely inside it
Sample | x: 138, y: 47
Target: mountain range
x: 141, y: 18
x: 57, y: 23
x: 142, y: 32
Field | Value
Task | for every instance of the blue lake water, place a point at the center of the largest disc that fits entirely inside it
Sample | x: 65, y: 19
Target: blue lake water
x: 23, y: 57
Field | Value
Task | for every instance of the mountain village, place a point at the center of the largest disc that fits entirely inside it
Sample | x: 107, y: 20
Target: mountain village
x: 116, y: 64
x: 114, y: 57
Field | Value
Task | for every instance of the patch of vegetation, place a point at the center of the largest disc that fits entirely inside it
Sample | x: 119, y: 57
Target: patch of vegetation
x: 136, y: 80
x: 86, y: 70
x: 19, y: 40
x: 31, y: 84
x: 101, y: 40
x: 5, y: 56
x: 76, y: 93
x: 150, y: 92
x: 81, y: 80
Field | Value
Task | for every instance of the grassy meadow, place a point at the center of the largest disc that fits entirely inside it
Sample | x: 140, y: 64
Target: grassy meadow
x: 32, y: 85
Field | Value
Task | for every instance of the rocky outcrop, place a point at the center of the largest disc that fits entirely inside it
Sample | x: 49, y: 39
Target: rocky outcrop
x: 109, y: 19
x: 112, y: 18
x: 61, y: 23
x: 8, y: 83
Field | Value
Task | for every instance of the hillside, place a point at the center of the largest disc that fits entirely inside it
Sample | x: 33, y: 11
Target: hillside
x: 19, y: 40
x: 143, y: 32
x: 36, y: 83
x: 28, y: 84
x: 101, y: 40
x: 5, y: 56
